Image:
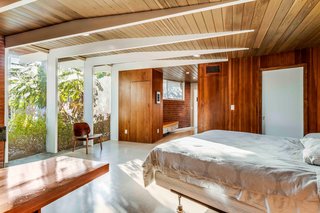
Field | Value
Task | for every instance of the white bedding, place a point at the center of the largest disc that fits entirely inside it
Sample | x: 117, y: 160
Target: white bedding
x: 266, y: 166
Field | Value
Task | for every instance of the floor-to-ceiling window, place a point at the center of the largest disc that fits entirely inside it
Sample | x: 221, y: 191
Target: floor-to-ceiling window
x: 70, y: 102
x: 27, y: 106
x: 102, y: 102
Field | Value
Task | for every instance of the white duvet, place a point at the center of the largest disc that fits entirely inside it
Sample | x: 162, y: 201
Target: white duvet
x: 259, y: 164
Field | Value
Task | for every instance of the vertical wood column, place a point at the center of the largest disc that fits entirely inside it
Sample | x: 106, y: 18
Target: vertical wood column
x: 88, y: 96
x: 2, y: 101
x: 7, y: 63
x: 52, y: 104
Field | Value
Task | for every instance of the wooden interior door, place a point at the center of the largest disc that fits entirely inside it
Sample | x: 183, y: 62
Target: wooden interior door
x: 140, y: 116
x: 212, y: 98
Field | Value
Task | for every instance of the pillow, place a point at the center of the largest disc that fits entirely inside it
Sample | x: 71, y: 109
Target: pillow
x: 311, y: 152
x: 312, y: 135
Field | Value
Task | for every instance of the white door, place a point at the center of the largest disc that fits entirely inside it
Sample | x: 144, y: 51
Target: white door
x: 282, y: 102
x: 195, y: 108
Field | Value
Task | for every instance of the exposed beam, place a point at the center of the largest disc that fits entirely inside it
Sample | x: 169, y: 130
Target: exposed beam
x: 131, y: 57
x: 147, y: 56
x: 7, y: 5
x: 79, y: 58
x: 164, y: 63
x: 40, y: 49
x: 71, y: 64
x: 105, y: 23
x: 32, y: 57
x: 132, y: 43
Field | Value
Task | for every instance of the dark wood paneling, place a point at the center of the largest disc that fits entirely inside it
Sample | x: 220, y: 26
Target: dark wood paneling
x: 157, y: 109
x: 2, y: 98
x: 244, y: 91
x: 312, y: 59
x: 212, y: 98
x: 140, y: 128
x: 138, y: 112
x: 124, y: 104
x: 2, y: 84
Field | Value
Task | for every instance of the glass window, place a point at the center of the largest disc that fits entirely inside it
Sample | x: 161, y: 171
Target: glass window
x: 70, y: 103
x: 102, y: 103
x: 27, y: 107
x: 173, y: 90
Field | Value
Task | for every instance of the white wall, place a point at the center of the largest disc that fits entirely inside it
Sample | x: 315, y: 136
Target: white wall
x: 114, y: 103
x: 193, y: 106
x: 282, y: 102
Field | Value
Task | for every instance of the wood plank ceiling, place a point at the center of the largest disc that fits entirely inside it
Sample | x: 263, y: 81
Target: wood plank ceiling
x: 280, y: 25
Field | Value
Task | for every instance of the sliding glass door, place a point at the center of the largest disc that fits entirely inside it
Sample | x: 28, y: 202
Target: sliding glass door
x: 102, y: 103
x: 27, y: 106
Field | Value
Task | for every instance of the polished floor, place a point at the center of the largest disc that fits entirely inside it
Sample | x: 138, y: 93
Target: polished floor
x: 121, y: 190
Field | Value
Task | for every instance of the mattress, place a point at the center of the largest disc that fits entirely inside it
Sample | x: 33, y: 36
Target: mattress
x: 264, y: 171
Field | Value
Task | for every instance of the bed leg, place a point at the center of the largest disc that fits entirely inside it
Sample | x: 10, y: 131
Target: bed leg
x: 180, y: 208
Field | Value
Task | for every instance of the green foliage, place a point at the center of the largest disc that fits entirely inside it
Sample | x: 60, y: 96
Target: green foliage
x: 27, y: 102
x: 102, y: 126
x: 27, y: 126
x: 27, y: 87
x: 27, y: 135
x: 70, y: 87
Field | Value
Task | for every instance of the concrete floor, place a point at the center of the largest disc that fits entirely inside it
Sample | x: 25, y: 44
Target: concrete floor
x: 120, y: 190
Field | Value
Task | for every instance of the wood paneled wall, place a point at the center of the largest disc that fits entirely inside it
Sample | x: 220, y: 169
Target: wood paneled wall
x: 2, y: 83
x: 2, y: 98
x: 243, y: 92
x: 312, y: 59
x: 157, y: 109
x: 212, y: 98
x: 138, y: 112
x: 243, y: 89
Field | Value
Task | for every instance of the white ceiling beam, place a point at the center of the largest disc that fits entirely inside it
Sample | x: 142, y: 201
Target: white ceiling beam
x: 132, y: 43
x: 147, y: 56
x: 163, y: 63
x: 71, y: 64
x: 10, y: 5
x: 32, y: 57
x: 132, y: 57
x: 105, y: 23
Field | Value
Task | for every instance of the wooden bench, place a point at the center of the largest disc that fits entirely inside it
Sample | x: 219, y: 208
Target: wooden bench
x: 29, y: 187
x: 170, y: 126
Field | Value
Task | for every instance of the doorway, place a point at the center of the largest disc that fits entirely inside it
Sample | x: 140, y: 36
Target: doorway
x: 194, y: 106
x: 282, y: 102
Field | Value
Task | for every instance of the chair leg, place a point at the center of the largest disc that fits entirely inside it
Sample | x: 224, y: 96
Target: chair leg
x: 87, y: 145
x: 100, y: 140
x: 74, y: 144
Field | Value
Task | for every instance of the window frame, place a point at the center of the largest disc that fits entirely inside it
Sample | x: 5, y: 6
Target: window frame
x: 174, y: 99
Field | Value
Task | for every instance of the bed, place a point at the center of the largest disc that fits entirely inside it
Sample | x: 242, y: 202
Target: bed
x: 237, y: 172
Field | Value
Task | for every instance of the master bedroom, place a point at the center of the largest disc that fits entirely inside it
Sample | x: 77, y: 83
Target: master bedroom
x: 160, y: 106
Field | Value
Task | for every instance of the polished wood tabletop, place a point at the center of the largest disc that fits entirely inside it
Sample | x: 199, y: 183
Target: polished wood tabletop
x: 29, y: 187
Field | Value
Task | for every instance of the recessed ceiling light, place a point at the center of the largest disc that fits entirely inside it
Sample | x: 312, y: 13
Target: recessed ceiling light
x: 86, y: 34
x: 196, y: 55
x: 194, y: 78
x: 187, y: 73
